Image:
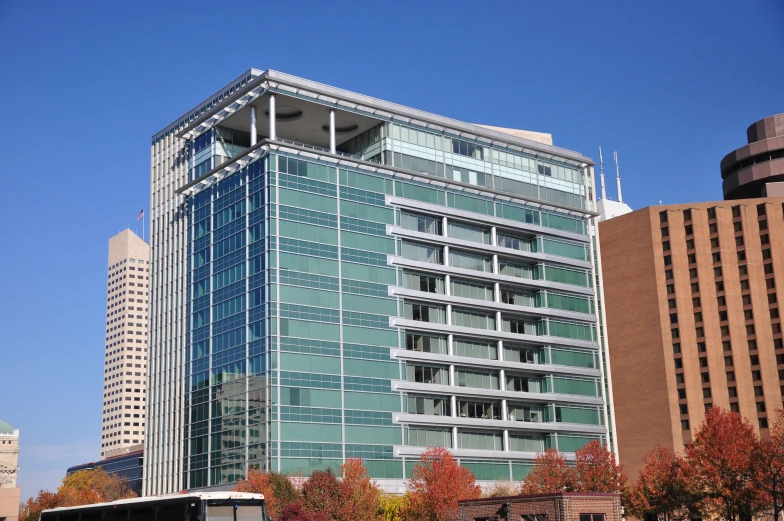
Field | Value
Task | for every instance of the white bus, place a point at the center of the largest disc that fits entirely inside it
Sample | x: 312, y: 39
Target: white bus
x: 197, y: 506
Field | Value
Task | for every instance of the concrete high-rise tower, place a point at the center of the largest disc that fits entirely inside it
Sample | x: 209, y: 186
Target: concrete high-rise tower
x: 125, y: 356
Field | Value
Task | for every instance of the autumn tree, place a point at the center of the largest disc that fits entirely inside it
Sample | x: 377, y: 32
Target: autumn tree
x: 500, y: 489
x: 283, y: 488
x: 596, y: 470
x: 31, y: 510
x: 360, y: 494
x: 720, y: 466
x: 296, y: 511
x: 85, y: 487
x: 549, y: 474
x: 393, y: 507
x: 437, y: 482
x: 322, y: 492
x: 769, y: 461
x: 661, y: 489
x: 258, y: 482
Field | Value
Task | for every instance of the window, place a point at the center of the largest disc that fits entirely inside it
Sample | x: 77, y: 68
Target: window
x: 703, y: 362
x: 705, y: 378
x: 667, y: 260
x: 736, y: 211
x: 772, y: 298
x: 663, y: 219
x: 679, y: 380
x: 712, y: 228
x: 739, y: 241
x: 676, y: 348
x: 730, y: 376
x: 665, y: 231
x: 717, y: 271
x: 671, y: 303
x: 738, y: 227
x: 743, y: 270
x: 670, y: 289
x: 666, y: 245
x: 714, y: 242
x: 689, y: 231
x: 757, y: 376
x: 763, y: 224
x: 748, y: 314
x: 673, y: 318
x: 712, y: 213
x: 765, y: 239
x: 719, y: 286
x: 741, y: 256
x: 768, y: 268
x: 763, y: 422
x: 421, y: 282
x: 668, y: 274
x: 695, y: 287
x: 706, y: 393
x: 721, y: 301
x: 716, y: 257
x: 692, y: 258
x: 725, y: 330
x: 722, y: 316
x: 678, y: 363
x: 420, y: 223
x: 761, y: 209
x: 754, y: 359
x: 769, y: 283
x: 681, y: 394
x: 765, y: 253
x: 728, y: 361
x: 685, y: 425
x: 733, y: 392
x: 734, y: 407
x: 692, y: 273
x: 687, y: 216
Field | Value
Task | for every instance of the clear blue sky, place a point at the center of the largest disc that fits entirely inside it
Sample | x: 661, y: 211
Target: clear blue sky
x: 671, y: 85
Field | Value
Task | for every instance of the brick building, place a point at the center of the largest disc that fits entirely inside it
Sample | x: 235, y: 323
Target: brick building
x: 692, y: 304
x: 565, y: 506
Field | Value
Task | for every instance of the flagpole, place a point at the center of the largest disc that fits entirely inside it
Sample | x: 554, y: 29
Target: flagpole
x: 143, y: 218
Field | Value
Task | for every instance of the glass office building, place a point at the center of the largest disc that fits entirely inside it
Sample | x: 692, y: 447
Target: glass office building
x: 344, y: 277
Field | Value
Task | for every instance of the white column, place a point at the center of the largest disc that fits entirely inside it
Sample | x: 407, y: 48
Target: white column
x: 498, y: 323
x: 446, y: 255
x: 447, y: 284
x: 497, y: 292
x: 273, y: 133
x: 449, y: 314
x: 495, y: 265
x: 444, y: 225
x: 504, y: 412
x: 506, y: 440
x: 252, y: 125
x: 493, y: 236
x: 454, y: 437
x: 452, y: 375
x: 450, y: 345
x: 332, y: 147
x: 502, y: 379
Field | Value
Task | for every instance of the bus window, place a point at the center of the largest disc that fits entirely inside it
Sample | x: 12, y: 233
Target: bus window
x: 249, y: 513
x: 220, y: 513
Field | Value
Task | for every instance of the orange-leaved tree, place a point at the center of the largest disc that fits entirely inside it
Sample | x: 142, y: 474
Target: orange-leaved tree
x: 437, y: 482
x: 596, y: 470
x: 85, y: 487
x: 660, y: 491
x: 259, y: 482
x: 31, y: 510
x: 721, y: 468
x: 361, y: 496
x: 549, y: 474
x: 769, y: 460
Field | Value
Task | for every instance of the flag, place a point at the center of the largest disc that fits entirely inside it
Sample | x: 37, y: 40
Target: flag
x: 140, y: 216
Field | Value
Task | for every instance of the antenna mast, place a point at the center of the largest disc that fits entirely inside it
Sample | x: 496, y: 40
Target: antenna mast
x: 617, y: 177
x: 601, y: 173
